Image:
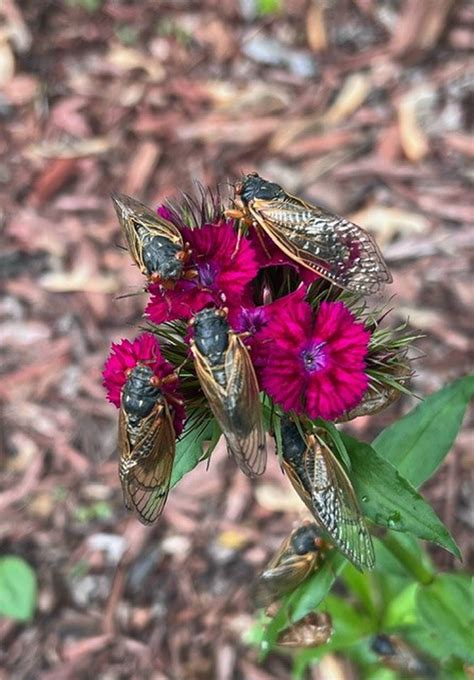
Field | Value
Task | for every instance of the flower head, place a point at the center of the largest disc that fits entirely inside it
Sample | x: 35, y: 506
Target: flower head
x: 312, y: 363
x: 270, y: 255
x: 145, y: 349
x: 222, y: 273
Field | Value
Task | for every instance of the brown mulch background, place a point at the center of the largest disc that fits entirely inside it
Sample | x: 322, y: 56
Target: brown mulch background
x: 360, y: 106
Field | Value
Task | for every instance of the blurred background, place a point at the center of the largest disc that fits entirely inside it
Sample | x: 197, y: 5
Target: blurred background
x: 361, y: 106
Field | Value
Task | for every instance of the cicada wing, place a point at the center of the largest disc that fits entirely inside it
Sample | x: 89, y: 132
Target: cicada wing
x: 335, y: 505
x: 236, y: 406
x: 283, y: 577
x: 329, y: 245
x: 146, y: 466
x: 246, y: 438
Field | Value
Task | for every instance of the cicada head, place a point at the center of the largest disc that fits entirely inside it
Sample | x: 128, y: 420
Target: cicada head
x: 253, y: 186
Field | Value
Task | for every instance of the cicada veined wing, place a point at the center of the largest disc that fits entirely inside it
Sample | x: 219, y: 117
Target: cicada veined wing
x: 327, y: 244
x: 227, y: 377
x: 323, y: 485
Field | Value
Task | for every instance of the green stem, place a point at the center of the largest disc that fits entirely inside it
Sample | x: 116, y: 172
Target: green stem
x: 411, y: 562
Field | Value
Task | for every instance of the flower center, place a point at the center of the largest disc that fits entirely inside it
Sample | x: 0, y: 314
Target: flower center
x: 207, y: 274
x: 314, y: 357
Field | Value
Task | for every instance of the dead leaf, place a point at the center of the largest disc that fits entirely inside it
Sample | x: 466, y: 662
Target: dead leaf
x: 316, y: 27
x: 352, y: 94
x: 386, y: 222
x: 7, y: 61
x: 278, y: 499
x: 70, y: 148
x: 79, y: 280
x: 141, y: 167
x: 413, y: 139
x: 128, y: 59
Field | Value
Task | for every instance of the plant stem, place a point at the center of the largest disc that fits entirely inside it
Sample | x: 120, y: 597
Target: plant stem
x: 411, y: 562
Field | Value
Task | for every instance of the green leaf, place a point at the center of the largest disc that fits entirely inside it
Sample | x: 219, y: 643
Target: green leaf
x: 401, y: 610
x: 268, y: 6
x: 360, y: 585
x: 418, y: 443
x: 389, y: 500
x: 189, y: 449
x: 311, y: 593
x: 18, y: 588
x: 446, y: 607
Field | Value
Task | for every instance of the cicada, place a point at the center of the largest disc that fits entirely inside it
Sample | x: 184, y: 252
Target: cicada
x: 147, y: 444
x: 395, y: 654
x: 329, y: 245
x: 313, y: 630
x: 228, y: 380
x: 322, y: 484
x: 155, y: 244
x: 297, y: 557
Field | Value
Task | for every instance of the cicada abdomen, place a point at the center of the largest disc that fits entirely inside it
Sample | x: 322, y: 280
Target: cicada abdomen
x: 147, y: 444
x: 228, y: 380
x: 329, y: 245
x: 297, y: 557
x: 322, y: 484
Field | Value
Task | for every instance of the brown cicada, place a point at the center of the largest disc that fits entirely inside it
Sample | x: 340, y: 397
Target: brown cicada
x: 329, y: 245
x: 147, y: 444
x: 322, y: 484
x: 228, y: 380
x: 395, y: 654
x: 313, y: 630
x: 155, y: 244
x: 297, y: 557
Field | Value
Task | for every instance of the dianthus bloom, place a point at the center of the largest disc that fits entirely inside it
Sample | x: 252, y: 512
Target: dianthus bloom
x: 145, y: 349
x: 222, y: 273
x: 313, y: 363
x: 270, y: 255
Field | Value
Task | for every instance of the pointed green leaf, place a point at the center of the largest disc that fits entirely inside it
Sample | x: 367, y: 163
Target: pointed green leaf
x: 446, y: 607
x: 418, y: 443
x: 189, y: 448
x: 17, y: 588
x: 389, y: 500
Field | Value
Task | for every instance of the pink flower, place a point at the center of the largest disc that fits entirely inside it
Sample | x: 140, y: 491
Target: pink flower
x: 221, y: 273
x: 270, y: 255
x: 313, y: 363
x: 145, y: 349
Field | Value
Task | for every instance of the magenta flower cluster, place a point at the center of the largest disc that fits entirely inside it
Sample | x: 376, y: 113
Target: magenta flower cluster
x: 310, y: 359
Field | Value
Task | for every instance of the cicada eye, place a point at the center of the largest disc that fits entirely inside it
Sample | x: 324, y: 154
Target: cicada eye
x: 239, y: 186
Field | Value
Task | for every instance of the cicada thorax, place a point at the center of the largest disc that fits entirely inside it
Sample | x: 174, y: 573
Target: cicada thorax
x: 397, y: 655
x: 155, y: 244
x: 147, y: 443
x: 323, y: 485
x: 313, y: 630
x: 327, y: 244
x: 297, y: 557
x: 228, y: 380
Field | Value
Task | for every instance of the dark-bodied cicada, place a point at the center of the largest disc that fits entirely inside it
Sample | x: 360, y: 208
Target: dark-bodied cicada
x: 313, y: 630
x: 147, y: 444
x: 155, y: 244
x: 297, y: 557
x: 228, y: 380
x: 395, y: 654
x: 322, y: 484
x: 327, y: 244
